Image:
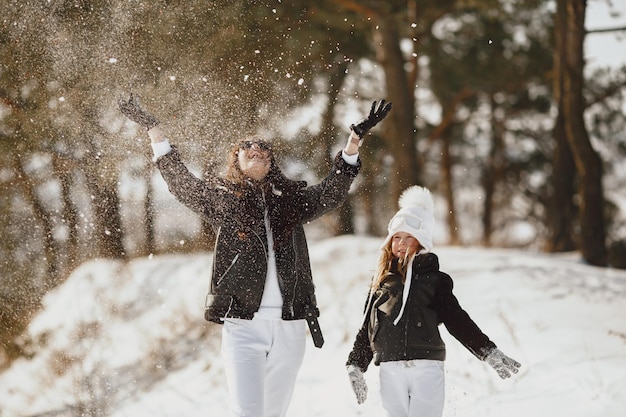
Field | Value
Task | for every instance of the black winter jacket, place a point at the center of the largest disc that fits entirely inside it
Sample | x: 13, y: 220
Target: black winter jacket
x: 236, y: 212
x: 416, y: 335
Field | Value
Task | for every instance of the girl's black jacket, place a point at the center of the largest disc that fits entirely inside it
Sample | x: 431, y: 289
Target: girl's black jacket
x: 236, y: 212
x: 416, y: 335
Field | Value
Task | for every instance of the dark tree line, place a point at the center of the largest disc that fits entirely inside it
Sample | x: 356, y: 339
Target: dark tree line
x: 492, y: 111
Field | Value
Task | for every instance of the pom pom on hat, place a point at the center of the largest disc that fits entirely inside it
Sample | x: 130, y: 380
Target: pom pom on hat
x: 416, y: 197
x: 415, y: 217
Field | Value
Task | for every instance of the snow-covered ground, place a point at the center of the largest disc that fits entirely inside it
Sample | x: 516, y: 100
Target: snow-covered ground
x: 128, y: 339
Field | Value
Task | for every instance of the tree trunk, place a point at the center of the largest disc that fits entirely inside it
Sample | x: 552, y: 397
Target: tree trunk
x: 343, y: 217
x: 493, y: 172
x: 444, y: 132
x: 150, y: 242
x: 488, y: 188
x: 448, y: 186
x: 561, y: 211
x: 367, y: 199
x: 561, y: 215
x: 44, y: 220
x: 108, y: 226
x: 399, y: 133
x: 588, y: 162
x: 70, y: 254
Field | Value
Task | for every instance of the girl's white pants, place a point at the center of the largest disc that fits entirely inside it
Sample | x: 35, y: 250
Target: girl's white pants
x: 412, y: 388
x: 261, y: 361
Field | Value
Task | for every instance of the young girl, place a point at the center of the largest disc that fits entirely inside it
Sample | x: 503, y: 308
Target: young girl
x: 408, y: 299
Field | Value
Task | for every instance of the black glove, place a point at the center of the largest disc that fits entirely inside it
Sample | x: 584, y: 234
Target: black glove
x: 376, y: 115
x: 134, y: 112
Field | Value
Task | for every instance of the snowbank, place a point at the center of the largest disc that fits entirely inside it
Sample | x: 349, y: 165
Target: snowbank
x: 128, y: 339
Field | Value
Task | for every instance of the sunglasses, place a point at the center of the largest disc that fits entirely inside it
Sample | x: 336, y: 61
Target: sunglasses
x: 247, y: 144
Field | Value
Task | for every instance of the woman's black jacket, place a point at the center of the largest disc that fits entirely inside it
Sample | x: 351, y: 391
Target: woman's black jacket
x: 236, y: 212
x: 416, y: 335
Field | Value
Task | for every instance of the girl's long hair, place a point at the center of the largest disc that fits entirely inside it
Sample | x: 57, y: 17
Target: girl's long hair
x: 385, y: 263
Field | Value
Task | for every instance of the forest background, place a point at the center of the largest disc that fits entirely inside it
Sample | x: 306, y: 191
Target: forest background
x: 494, y: 111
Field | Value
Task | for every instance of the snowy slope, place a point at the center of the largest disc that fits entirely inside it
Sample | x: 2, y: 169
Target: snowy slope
x: 128, y: 339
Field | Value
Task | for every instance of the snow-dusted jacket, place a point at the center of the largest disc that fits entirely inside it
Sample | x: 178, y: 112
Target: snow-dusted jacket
x: 236, y: 212
x: 416, y: 334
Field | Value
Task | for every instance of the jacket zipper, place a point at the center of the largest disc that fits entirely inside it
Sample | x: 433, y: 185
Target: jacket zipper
x: 232, y: 263
x: 295, y: 282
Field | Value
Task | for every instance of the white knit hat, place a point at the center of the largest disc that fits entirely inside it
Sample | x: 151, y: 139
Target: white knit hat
x: 415, y: 217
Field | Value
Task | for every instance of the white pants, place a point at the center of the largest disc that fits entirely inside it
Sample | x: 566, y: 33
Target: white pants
x: 412, y: 388
x: 261, y: 361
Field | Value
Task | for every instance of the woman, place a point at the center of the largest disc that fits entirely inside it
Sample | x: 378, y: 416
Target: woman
x: 408, y: 299
x: 261, y: 287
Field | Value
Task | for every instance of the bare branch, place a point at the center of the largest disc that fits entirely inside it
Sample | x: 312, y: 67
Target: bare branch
x: 606, y: 30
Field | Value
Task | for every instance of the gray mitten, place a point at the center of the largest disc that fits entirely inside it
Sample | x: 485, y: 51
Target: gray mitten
x: 358, y: 383
x: 503, y: 365
x: 134, y: 112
